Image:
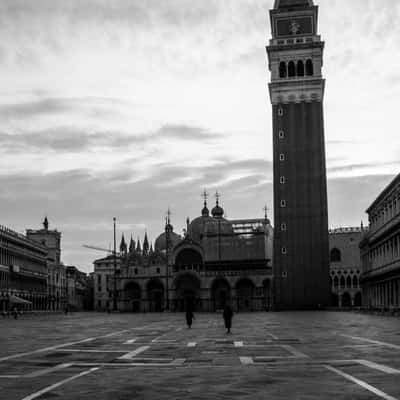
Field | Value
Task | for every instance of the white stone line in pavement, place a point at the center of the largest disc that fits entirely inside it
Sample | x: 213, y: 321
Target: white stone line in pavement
x: 379, y: 367
x: 246, y: 360
x: 191, y: 344
x: 130, y: 341
x: 384, y: 344
x: 10, y: 376
x: 51, y: 387
x: 361, y: 383
x: 46, y: 371
x: 176, y: 362
x: 131, y: 354
x: 59, y: 346
x: 273, y: 336
x: 91, y: 351
x: 293, y: 351
x: 238, y: 344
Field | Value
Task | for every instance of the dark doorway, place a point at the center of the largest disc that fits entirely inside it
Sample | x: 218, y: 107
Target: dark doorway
x: 358, y: 300
x: 133, y: 296
x: 346, y: 300
x: 244, y: 295
x: 188, y: 292
x: 221, y: 293
x: 155, y: 295
x: 267, y: 294
x: 334, y: 300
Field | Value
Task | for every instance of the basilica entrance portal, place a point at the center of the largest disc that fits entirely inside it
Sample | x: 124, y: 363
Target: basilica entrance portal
x: 155, y: 295
x: 221, y: 294
x: 132, y: 294
x: 187, y: 292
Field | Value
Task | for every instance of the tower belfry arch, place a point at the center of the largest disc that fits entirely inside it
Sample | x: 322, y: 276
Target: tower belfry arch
x: 301, y: 249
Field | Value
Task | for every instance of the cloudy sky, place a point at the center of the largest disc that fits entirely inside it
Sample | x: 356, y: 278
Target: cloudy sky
x: 127, y: 107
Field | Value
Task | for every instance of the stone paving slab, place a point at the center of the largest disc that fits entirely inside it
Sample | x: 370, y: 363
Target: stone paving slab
x: 154, y: 356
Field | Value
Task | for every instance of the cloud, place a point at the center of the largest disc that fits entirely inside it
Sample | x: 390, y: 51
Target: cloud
x: 362, y: 166
x: 71, y: 139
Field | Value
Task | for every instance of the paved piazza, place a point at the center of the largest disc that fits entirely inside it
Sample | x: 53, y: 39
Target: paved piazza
x: 154, y: 356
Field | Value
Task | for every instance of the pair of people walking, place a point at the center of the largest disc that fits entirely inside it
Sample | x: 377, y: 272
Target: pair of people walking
x: 227, y: 316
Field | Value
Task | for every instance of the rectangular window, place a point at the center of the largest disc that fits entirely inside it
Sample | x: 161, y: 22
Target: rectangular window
x: 281, y: 135
x: 283, y: 203
x: 158, y: 270
x: 136, y: 271
x: 280, y: 111
x: 284, y: 250
x: 283, y: 227
x: 281, y: 157
x: 282, y: 180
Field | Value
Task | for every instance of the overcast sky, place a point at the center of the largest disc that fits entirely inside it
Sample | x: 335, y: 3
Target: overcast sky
x: 127, y: 107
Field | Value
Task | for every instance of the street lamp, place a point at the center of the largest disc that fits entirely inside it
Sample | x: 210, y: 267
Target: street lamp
x: 167, y: 231
x: 115, y: 308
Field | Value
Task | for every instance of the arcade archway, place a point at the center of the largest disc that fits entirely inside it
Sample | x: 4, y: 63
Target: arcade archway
x: 346, y: 300
x: 187, y: 289
x: 155, y: 295
x: 133, y: 296
x: 220, y: 293
x: 245, y: 294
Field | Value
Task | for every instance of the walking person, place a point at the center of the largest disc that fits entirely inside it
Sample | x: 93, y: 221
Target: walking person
x: 189, y: 317
x: 227, y: 315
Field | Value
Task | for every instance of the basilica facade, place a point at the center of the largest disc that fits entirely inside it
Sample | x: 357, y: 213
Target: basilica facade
x: 217, y: 262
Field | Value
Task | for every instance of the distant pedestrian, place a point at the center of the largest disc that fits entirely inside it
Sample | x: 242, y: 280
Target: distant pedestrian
x: 227, y: 315
x: 15, y: 312
x: 66, y: 309
x: 189, y: 317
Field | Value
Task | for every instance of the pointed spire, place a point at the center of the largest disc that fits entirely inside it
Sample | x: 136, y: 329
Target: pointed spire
x: 151, y: 251
x: 132, y: 246
x: 46, y: 223
x: 122, y: 246
x: 138, y: 246
x: 145, y: 245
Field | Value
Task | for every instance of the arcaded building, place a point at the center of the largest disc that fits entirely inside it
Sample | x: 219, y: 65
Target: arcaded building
x: 345, y: 267
x: 217, y: 262
x: 380, y: 251
x: 23, y: 271
x: 301, y: 248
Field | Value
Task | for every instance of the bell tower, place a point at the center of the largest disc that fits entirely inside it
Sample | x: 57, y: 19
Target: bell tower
x: 301, y: 248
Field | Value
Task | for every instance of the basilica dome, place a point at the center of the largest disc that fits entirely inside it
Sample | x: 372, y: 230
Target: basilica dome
x: 197, y: 227
x: 161, y: 242
x: 218, y: 226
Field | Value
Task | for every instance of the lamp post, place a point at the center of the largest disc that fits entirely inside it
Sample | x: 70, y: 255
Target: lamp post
x: 115, y: 268
x: 167, y: 229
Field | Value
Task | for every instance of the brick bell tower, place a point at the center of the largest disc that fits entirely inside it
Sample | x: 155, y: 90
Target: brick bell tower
x: 301, y: 248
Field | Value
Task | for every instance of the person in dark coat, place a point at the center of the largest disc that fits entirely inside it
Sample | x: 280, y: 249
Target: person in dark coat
x: 189, y: 317
x: 227, y: 315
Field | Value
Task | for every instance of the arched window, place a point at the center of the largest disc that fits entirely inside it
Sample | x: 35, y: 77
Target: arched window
x: 355, y: 281
x: 336, y: 282
x: 300, y: 68
x: 348, y: 282
x: 291, y: 69
x: 309, y: 68
x: 282, y: 70
x: 336, y: 255
x: 342, y: 282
